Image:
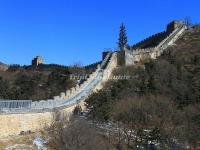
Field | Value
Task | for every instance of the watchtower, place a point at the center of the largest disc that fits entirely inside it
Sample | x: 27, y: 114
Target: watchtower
x: 37, y: 60
x: 173, y: 25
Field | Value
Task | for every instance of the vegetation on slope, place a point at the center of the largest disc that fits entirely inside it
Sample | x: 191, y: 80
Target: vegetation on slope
x: 75, y: 133
x: 161, y: 100
x: 37, y: 83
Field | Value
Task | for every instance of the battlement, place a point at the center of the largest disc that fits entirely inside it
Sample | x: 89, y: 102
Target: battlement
x: 153, y: 46
x: 67, y: 98
x: 173, y: 25
x: 155, y: 39
x: 151, y: 41
x: 41, y: 112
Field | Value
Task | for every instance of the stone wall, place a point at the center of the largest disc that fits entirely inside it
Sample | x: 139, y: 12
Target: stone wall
x: 92, y: 67
x: 136, y: 55
x: 173, y: 25
x: 61, y: 99
x: 42, y: 112
x: 13, y: 124
x: 112, y: 64
x: 155, y: 39
x: 107, y: 73
x: 151, y: 41
x: 120, y: 58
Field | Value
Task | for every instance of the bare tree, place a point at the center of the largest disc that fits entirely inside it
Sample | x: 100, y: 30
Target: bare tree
x: 141, y: 114
x: 188, y: 22
x: 74, y: 134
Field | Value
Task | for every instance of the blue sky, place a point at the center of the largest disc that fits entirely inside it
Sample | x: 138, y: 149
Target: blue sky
x: 70, y: 31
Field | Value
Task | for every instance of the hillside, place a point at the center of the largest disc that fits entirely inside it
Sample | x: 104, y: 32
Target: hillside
x: 38, y: 83
x: 160, y: 102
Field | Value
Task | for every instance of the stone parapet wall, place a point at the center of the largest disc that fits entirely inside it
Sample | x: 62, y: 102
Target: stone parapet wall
x: 64, y: 96
x: 172, y: 37
x: 107, y: 72
x: 13, y: 124
x: 151, y: 41
x: 155, y: 39
x: 153, y: 53
x: 112, y: 64
x: 60, y: 99
x: 42, y: 112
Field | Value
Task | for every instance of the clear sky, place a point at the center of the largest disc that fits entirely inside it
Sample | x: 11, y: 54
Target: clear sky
x: 70, y: 31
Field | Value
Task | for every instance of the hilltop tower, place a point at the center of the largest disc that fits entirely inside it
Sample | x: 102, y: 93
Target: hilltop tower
x: 37, y: 60
x: 173, y: 25
x: 151, y: 47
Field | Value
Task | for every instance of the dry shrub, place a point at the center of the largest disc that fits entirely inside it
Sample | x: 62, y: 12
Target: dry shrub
x: 74, y: 133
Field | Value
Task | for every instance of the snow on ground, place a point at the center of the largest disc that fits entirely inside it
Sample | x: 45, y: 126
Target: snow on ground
x: 31, y: 141
x: 40, y: 143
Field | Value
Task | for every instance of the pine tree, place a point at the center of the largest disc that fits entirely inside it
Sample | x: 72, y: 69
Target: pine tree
x: 122, y: 41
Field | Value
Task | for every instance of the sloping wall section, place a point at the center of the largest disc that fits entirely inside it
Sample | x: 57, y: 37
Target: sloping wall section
x: 136, y: 55
x: 42, y: 112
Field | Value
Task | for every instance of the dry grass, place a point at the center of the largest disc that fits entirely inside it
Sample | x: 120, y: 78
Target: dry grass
x: 19, y: 142
x: 189, y: 43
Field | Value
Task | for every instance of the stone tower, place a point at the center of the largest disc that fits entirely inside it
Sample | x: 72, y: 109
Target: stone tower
x: 173, y: 25
x: 37, y: 60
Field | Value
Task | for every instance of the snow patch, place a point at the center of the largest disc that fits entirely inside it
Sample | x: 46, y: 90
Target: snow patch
x: 39, y: 142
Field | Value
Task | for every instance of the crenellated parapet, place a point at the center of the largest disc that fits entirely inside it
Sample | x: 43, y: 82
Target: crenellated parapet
x: 151, y: 41
x: 41, y: 112
x: 112, y: 64
x: 155, y: 39
x: 137, y: 53
x: 69, y: 97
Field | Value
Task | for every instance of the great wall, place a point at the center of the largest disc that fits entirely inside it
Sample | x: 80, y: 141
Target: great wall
x: 36, y: 115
